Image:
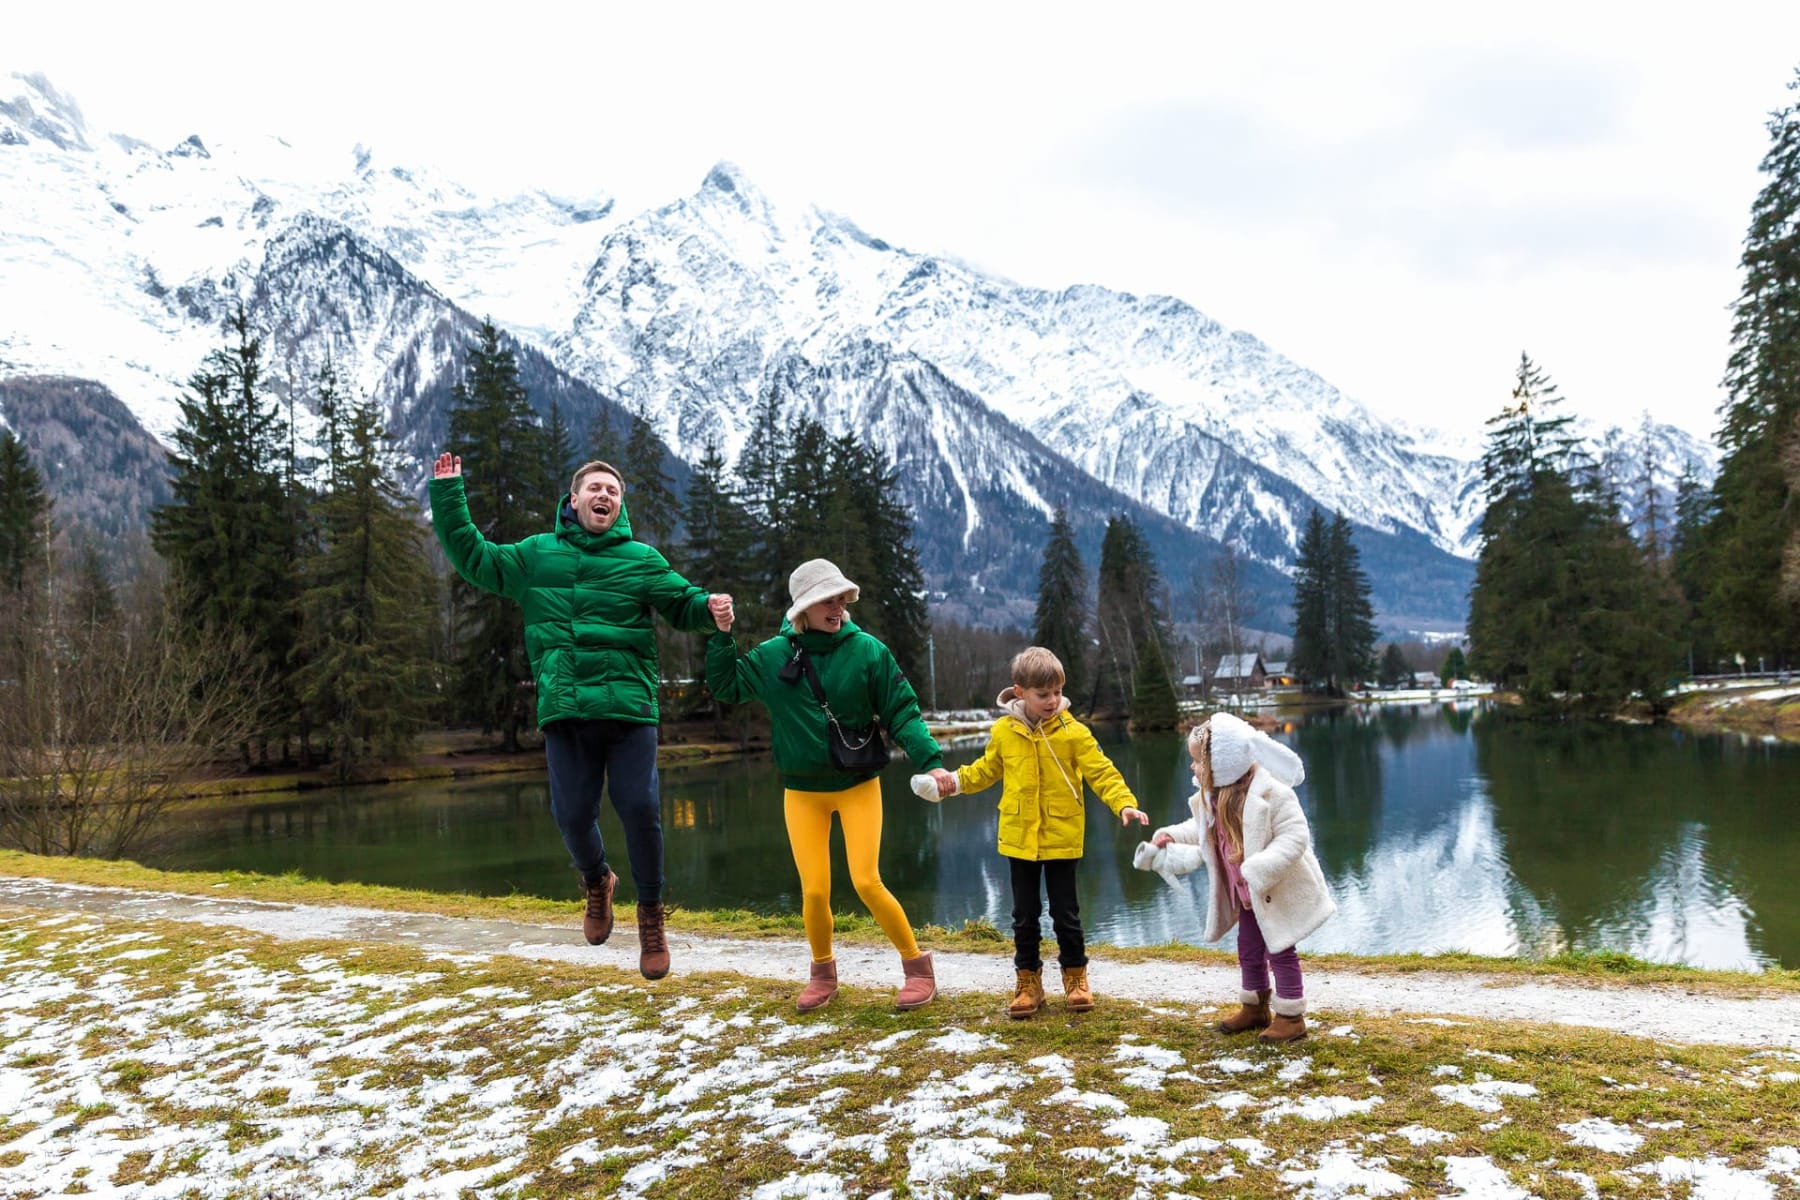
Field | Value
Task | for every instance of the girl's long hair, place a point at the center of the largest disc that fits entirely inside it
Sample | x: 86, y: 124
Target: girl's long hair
x: 1227, y: 802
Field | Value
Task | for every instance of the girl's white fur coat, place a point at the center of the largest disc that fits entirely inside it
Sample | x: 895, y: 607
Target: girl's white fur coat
x: 1287, y: 888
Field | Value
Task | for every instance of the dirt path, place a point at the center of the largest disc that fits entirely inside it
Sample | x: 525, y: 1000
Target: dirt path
x: 1663, y: 1012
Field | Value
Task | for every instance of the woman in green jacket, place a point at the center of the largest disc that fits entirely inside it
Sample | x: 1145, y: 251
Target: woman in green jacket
x: 862, y: 684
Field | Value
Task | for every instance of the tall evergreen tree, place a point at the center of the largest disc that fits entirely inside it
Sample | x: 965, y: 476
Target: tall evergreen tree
x: 1353, y: 617
x: 603, y: 440
x: 1130, y: 612
x: 649, y: 491
x: 228, y: 533
x: 23, y: 506
x: 1310, y: 659
x: 1757, y: 515
x: 559, y: 447
x: 762, y: 472
x: 1455, y: 666
x: 366, y: 607
x: 899, y: 581
x: 510, y: 497
x: 1394, y: 667
x: 1566, y: 607
x: 1061, y: 621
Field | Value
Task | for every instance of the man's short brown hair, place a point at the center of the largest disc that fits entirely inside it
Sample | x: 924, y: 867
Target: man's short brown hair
x: 588, y: 468
x: 1036, y: 667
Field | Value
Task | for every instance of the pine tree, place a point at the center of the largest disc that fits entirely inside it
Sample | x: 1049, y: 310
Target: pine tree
x: 23, y: 506
x: 650, y: 493
x: 1061, y: 622
x: 1757, y: 516
x: 1394, y: 667
x: 510, y: 498
x: 762, y: 472
x: 1566, y: 607
x: 603, y: 441
x: 1455, y: 666
x: 366, y: 605
x: 559, y: 447
x: 1652, y: 515
x: 1310, y: 658
x: 1130, y: 613
x: 1352, y: 617
x: 899, y: 581
x: 228, y: 533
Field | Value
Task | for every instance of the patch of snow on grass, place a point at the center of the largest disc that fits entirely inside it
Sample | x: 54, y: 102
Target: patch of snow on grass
x: 933, y: 1161
x: 1341, y: 1173
x: 1319, y: 1108
x: 1483, y: 1096
x: 1092, y: 1101
x: 1421, y: 1135
x: 816, y: 1186
x: 1478, y: 1178
x: 1602, y: 1134
x: 1709, y: 1179
x: 961, y: 1041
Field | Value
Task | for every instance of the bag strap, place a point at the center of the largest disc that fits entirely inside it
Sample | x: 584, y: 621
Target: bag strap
x: 812, y: 677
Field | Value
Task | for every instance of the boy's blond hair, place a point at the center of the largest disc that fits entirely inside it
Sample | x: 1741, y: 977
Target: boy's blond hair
x: 588, y: 468
x: 1036, y: 667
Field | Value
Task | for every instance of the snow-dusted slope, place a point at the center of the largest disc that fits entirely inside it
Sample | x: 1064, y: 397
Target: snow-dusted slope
x: 120, y: 260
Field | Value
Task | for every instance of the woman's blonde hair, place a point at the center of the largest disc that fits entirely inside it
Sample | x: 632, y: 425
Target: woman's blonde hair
x: 1227, y: 802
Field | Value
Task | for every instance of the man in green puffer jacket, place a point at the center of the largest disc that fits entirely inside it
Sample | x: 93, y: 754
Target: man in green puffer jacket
x: 589, y: 592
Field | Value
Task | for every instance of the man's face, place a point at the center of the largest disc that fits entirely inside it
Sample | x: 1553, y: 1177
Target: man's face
x: 827, y: 616
x: 1042, y: 703
x: 597, y: 499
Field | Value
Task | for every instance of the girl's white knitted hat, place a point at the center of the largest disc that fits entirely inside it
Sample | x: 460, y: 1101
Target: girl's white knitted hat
x: 1236, y: 745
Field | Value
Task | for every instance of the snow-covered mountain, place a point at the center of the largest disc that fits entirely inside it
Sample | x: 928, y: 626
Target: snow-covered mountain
x: 998, y: 401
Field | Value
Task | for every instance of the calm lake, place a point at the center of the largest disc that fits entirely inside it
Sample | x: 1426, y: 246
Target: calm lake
x: 1439, y: 828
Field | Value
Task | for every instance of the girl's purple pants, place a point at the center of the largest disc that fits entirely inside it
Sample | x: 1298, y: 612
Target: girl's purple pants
x: 1255, y: 961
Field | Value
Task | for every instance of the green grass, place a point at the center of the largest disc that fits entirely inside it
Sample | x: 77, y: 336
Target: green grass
x: 973, y: 936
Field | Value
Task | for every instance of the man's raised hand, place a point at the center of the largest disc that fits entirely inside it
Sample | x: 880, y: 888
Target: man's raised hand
x: 447, y: 466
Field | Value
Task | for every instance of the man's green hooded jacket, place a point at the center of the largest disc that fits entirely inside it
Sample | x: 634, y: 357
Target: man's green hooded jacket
x: 588, y: 601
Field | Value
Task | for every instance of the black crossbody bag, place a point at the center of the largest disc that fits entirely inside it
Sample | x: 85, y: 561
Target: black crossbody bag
x: 854, y: 750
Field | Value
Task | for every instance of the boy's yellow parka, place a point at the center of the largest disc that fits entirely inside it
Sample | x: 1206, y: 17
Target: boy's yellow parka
x: 1041, y: 806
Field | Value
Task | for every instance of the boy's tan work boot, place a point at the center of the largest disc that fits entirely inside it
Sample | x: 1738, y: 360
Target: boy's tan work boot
x: 597, y: 921
x: 821, y: 987
x: 1252, y: 1013
x: 653, y: 942
x: 1080, y: 998
x: 1289, y: 1024
x: 918, y: 985
x: 1028, y: 995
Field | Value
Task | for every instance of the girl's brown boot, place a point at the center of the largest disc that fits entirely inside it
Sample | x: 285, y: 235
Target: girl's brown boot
x: 1289, y: 1024
x: 1252, y: 1013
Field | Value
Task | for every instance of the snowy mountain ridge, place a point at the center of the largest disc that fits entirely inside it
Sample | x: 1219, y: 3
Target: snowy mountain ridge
x: 120, y: 260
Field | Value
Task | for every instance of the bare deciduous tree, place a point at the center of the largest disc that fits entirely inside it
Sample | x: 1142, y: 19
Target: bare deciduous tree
x: 102, y: 724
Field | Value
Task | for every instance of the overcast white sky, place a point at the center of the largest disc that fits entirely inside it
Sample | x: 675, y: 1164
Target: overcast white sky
x: 1400, y: 197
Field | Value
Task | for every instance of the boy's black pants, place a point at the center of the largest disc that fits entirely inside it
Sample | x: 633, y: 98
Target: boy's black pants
x: 1056, y: 878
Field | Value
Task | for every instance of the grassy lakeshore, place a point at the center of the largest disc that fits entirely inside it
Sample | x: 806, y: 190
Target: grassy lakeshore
x: 978, y: 936
x: 144, y: 1058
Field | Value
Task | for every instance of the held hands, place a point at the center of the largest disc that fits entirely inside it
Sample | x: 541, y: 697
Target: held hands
x: 447, y: 466
x: 1129, y: 814
x: 719, y: 605
x: 934, y: 786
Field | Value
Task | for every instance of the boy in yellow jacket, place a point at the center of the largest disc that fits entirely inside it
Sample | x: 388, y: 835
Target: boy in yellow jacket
x: 1044, y: 755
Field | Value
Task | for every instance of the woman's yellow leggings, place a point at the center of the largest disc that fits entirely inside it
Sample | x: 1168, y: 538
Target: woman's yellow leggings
x: 809, y: 834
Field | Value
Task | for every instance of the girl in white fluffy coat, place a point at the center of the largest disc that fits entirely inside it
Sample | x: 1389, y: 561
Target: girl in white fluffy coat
x: 1249, y: 830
